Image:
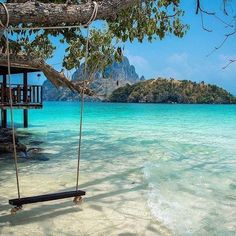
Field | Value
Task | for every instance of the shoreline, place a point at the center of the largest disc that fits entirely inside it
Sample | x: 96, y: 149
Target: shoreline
x: 141, y: 103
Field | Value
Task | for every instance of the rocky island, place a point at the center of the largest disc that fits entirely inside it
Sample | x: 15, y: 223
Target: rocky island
x: 120, y: 83
x: 172, y: 91
x: 115, y: 76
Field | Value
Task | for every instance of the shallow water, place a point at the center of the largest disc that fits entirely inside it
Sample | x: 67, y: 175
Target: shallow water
x: 186, y: 155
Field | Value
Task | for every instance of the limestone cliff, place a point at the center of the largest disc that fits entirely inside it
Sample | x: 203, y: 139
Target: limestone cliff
x: 113, y: 77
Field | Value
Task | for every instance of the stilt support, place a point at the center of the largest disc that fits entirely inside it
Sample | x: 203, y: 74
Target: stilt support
x: 4, y: 118
x: 26, y: 122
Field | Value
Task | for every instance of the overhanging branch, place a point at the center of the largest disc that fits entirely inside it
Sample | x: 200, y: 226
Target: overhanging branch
x: 59, y: 14
x: 57, y: 78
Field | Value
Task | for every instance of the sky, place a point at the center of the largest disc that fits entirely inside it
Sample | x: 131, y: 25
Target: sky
x: 185, y: 58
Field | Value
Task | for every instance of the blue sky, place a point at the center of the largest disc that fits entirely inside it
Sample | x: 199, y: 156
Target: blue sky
x: 185, y: 58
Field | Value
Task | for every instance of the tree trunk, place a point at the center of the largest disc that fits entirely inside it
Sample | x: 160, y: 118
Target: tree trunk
x: 50, y: 14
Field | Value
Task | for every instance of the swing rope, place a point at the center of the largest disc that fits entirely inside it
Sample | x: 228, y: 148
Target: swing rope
x: 11, y: 102
x: 7, y: 29
x: 12, y: 119
x: 82, y: 93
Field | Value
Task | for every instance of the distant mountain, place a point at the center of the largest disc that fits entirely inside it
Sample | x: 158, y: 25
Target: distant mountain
x: 114, y: 76
x: 172, y: 91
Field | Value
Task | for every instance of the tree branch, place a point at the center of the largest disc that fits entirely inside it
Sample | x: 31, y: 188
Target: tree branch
x: 51, y: 14
x: 57, y: 78
x: 202, y: 11
x: 223, y: 42
x: 231, y: 61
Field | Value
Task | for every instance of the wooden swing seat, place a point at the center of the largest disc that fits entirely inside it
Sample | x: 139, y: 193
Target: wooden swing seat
x: 44, y: 198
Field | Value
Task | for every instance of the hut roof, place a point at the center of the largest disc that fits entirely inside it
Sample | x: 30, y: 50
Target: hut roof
x: 16, y: 69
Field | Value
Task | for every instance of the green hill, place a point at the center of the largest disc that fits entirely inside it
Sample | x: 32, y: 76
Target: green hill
x: 172, y: 91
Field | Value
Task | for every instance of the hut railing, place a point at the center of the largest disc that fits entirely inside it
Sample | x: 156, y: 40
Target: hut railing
x: 21, y: 95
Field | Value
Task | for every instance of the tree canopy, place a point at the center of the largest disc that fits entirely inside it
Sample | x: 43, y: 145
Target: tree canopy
x: 125, y: 20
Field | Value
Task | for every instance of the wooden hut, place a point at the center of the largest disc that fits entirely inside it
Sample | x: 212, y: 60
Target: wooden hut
x: 24, y: 95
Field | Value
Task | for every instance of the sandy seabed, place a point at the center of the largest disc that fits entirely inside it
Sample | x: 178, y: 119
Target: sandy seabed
x: 115, y: 204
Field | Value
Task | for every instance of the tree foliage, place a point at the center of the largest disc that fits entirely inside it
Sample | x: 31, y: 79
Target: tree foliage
x: 147, y: 19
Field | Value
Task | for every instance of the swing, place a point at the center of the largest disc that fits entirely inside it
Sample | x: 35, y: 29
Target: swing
x: 18, y: 203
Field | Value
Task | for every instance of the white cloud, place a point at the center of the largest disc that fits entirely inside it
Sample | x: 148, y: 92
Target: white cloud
x: 140, y: 63
x: 170, y: 72
x: 178, y: 58
x: 178, y: 66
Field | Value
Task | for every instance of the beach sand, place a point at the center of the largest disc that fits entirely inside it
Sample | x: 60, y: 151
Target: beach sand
x: 115, y: 203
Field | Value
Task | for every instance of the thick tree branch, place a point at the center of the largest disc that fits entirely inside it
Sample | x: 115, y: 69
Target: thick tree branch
x: 50, y: 14
x: 57, y: 78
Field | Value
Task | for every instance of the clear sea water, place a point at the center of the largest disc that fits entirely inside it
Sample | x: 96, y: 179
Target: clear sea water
x: 185, y: 153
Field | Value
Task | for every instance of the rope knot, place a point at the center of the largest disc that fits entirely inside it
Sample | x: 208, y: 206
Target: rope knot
x: 7, y: 16
x: 93, y: 16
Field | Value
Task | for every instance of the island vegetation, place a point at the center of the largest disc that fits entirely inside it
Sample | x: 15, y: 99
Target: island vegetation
x: 172, y: 91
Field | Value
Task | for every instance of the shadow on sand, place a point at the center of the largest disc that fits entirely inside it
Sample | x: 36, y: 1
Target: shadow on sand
x: 48, y: 211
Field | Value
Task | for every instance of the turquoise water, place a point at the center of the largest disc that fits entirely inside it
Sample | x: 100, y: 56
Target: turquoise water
x: 185, y: 153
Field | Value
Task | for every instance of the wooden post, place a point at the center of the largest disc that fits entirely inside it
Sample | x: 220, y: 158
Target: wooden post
x: 37, y: 94
x: 25, y: 95
x: 4, y: 94
x: 26, y: 122
x: 4, y: 88
x: 25, y: 87
x: 4, y: 118
x: 41, y: 95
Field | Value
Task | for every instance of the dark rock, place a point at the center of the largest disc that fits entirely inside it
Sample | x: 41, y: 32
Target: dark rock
x: 142, y: 78
x: 40, y: 158
x: 6, y: 142
x: 36, y: 142
x: 22, y: 155
x: 32, y: 151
